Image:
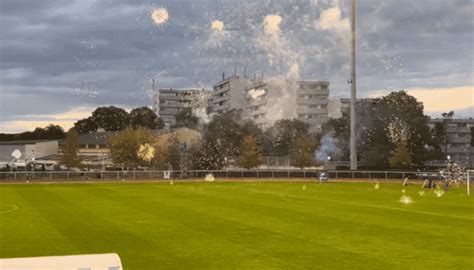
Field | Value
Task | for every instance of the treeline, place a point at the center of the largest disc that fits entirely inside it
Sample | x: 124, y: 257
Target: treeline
x: 107, y: 118
x: 51, y: 132
x: 391, y: 132
x: 227, y: 137
x: 116, y: 119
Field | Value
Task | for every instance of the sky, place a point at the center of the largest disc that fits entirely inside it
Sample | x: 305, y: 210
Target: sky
x: 59, y: 60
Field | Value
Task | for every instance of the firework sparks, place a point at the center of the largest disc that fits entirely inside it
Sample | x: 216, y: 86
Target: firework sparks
x: 209, y: 178
x: 217, y: 25
x: 406, y: 199
x: 272, y: 24
x: 160, y: 16
x: 439, y: 193
x: 146, y: 152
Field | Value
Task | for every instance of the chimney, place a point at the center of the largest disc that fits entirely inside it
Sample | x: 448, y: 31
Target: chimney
x: 153, y: 84
x: 223, y: 76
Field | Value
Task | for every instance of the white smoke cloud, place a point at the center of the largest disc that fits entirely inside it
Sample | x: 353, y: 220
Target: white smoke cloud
x: 331, y: 19
x: 328, y: 148
x: 160, y: 15
x: 279, y: 53
x: 272, y: 24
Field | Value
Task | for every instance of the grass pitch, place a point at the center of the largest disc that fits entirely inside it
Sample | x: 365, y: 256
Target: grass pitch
x: 241, y: 225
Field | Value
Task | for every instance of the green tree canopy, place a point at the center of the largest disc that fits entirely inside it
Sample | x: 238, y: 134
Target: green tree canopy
x: 86, y: 125
x: 51, y: 132
x: 401, y: 157
x: 111, y: 118
x: 186, y: 118
x: 124, y: 146
x: 377, y: 146
x: 145, y: 117
x: 283, y: 134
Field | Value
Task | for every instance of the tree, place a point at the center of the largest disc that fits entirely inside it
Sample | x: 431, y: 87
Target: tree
x: 51, y: 132
x: 125, y: 145
x: 70, y: 148
x: 250, y: 153
x: 86, y: 125
x: 377, y: 146
x: 186, y: 118
x: 401, y: 157
x: 283, y: 133
x: 145, y: 117
x: 302, y: 151
x: 111, y: 118
x: 173, y: 153
x: 208, y: 155
x: 222, y: 139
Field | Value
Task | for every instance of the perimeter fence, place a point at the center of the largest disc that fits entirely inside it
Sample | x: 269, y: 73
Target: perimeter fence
x: 294, y: 174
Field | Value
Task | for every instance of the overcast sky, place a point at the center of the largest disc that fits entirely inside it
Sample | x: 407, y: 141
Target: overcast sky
x: 61, y: 59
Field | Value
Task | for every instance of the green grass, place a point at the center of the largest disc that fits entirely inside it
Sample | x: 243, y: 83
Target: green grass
x: 246, y: 225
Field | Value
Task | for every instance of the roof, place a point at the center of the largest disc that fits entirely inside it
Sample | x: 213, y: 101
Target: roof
x: 101, y: 138
x: 94, y: 138
x: 20, y: 142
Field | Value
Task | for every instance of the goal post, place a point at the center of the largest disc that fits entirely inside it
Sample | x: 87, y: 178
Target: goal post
x: 470, y: 175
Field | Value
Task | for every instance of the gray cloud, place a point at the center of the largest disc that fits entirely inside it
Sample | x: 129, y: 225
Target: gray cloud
x: 57, y: 55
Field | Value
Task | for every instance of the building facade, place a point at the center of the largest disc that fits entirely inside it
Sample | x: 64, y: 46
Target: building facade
x: 229, y: 94
x: 30, y: 149
x: 167, y: 103
x: 459, y: 145
x: 268, y: 101
x: 312, y: 103
x: 341, y: 107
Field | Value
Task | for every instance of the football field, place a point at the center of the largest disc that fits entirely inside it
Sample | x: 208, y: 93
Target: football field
x: 242, y: 225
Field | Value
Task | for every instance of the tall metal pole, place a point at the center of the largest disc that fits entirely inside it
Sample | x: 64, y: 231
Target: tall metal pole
x: 353, y: 145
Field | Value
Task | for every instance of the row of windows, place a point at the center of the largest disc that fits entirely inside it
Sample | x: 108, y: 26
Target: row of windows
x: 259, y: 116
x: 302, y: 96
x: 219, y: 87
x: 313, y: 87
x: 311, y: 116
x: 459, y: 145
x: 317, y: 106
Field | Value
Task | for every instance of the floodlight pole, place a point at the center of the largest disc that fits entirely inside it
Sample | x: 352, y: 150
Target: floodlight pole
x: 353, y: 146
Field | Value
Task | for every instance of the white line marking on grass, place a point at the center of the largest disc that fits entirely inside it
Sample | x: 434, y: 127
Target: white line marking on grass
x: 11, y: 206
x: 368, y: 205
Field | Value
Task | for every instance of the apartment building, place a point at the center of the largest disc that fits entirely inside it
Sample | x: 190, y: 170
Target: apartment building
x: 167, y: 103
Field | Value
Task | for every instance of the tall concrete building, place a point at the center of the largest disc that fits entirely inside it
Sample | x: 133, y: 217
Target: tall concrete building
x: 268, y: 101
x: 459, y: 145
x: 312, y: 103
x: 167, y: 103
x: 229, y: 94
x: 341, y: 107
